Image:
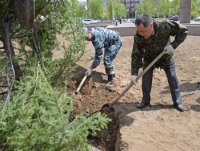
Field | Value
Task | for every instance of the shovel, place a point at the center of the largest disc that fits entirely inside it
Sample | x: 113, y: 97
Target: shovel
x: 79, y: 87
x: 110, y: 105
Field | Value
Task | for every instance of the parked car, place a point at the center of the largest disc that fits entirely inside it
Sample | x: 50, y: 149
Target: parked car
x: 159, y: 19
x: 90, y: 21
x: 131, y: 20
x: 174, y: 18
x: 87, y: 21
x: 197, y: 18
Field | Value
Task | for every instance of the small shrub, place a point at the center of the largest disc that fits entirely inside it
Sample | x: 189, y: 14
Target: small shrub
x: 38, y: 119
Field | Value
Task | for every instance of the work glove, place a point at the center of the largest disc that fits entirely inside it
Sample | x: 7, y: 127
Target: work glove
x: 168, y: 49
x: 88, y: 72
x: 133, y: 79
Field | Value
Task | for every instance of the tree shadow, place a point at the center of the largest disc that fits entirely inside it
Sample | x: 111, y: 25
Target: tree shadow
x: 185, y: 87
x: 198, y: 100
x: 196, y: 107
x: 124, y: 109
x: 98, y: 77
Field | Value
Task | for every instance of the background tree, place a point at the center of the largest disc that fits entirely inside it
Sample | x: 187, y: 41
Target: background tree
x: 110, y: 8
x: 158, y: 8
x: 116, y: 9
x: 146, y: 7
x: 120, y: 10
x: 195, y: 8
x: 175, y: 5
x: 96, y: 9
x: 82, y: 11
x: 166, y: 8
x: 61, y: 18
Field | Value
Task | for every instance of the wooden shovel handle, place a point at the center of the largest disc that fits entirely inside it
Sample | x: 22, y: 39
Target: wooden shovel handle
x: 80, y: 85
x: 139, y: 76
x: 150, y: 65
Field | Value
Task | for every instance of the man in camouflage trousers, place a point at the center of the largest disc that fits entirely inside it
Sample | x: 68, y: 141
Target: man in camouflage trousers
x: 151, y: 39
x: 111, y: 42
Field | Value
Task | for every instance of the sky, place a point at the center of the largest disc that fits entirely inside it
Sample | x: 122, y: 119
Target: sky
x: 81, y: 0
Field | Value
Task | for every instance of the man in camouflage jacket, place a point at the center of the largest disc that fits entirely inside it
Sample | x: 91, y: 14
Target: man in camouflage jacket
x: 151, y: 39
x: 111, y: 42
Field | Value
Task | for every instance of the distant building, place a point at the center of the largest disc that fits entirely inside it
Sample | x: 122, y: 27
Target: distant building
x: 130, y: 6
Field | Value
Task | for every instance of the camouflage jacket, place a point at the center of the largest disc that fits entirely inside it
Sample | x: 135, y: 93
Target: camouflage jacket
x: 102, y: 38
x: 150, y: 48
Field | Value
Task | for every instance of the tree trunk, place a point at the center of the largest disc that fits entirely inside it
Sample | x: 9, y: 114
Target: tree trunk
x: 9, y: 49
x: 185, y: 11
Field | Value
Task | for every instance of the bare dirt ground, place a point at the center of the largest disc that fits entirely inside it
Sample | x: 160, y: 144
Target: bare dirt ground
x: 161, y: 127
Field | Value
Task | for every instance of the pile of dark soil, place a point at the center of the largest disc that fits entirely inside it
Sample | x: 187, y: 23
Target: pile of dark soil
x: 94, y: 94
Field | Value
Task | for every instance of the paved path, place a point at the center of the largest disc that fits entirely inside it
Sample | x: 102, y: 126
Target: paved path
x: 128, y: 29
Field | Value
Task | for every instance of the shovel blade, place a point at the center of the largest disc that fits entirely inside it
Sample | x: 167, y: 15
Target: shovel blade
x: 108, y: 106
x: 78, y: 95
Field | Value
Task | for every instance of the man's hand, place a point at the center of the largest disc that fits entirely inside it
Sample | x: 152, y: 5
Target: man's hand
x: 133, y: 79
x: 88, y: 72
x: 168, y: 49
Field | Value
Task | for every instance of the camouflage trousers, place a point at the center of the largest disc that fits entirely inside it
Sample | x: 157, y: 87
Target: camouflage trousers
x: 109, y: 55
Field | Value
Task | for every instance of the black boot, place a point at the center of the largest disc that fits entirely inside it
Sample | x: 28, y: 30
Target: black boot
x: 110, y: 80
x: 143, y: 104
x: 179, y: 107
